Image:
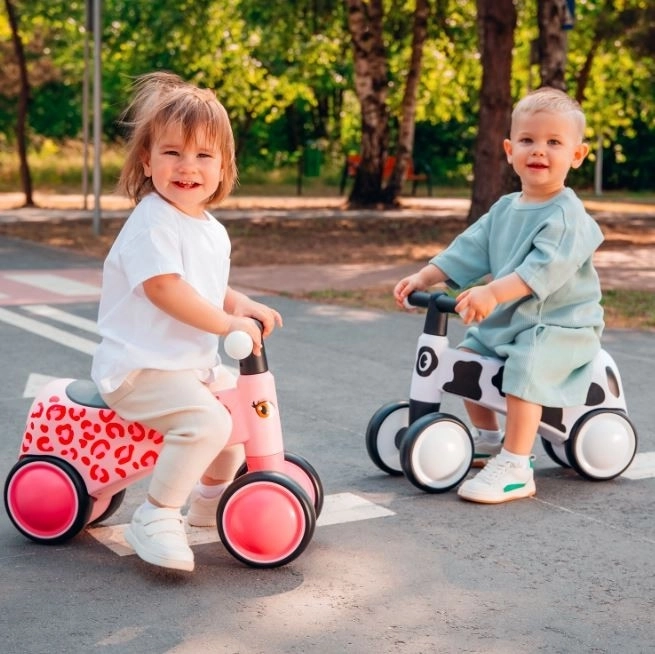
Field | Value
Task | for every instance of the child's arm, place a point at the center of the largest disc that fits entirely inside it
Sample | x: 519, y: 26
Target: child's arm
x: 478, y: 302
x: 178, y: 299
x: 239, y: 304
x: 428, y: 276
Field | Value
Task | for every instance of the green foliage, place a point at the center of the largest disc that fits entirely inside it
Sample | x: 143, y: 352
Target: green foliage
x: 284, y: 72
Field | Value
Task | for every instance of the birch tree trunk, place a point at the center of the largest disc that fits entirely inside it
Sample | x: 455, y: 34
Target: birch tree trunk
x: 405, y: 145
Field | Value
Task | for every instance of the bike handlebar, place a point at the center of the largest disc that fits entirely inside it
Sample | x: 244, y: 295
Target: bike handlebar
x: 443, y: 302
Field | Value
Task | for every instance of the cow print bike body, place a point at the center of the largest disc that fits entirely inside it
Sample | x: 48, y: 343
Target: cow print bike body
x: 434, y: 450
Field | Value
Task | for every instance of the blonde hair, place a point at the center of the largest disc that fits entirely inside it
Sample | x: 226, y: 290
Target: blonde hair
x: 551, y: 100
x: 162, y: 99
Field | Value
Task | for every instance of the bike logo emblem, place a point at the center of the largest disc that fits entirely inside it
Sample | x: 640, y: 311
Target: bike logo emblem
x: 426, y: 361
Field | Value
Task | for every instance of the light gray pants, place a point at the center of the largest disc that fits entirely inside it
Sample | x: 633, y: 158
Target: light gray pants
x: 195, y: 426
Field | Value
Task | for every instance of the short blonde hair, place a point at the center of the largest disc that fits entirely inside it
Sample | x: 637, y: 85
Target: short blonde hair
x: 548, y: 99
x: 162, y: 99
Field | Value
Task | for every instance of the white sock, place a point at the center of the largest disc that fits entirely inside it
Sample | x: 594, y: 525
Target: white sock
x: 490, y: 435
x: 522, y: 460
x: 211, y: 492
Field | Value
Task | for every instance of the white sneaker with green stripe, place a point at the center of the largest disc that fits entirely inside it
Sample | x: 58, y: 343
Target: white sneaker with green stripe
x: 499, y: 481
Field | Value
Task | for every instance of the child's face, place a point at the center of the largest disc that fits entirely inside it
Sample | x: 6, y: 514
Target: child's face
x: 185, y: 174
x: 542, y: 148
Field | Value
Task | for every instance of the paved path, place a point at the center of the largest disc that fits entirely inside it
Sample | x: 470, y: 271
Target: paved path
x: 629, y: 268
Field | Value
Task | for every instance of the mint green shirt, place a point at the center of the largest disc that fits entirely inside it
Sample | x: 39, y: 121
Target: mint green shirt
x: 547, y: 339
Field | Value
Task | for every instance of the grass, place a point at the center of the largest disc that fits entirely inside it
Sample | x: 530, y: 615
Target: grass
x: 635, y: 309
x: 58, y: 168
x: 623, y: 309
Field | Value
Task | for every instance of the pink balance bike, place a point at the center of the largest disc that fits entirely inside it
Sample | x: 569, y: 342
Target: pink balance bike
x: 435, y: 450
x: 78, y: 457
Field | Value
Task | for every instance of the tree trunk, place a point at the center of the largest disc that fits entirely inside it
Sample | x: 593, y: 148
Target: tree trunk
x: 23, y: 103
x: 492, y: 177
x: 405, y: 144
x: 371, y: 81
x: 552, y: 42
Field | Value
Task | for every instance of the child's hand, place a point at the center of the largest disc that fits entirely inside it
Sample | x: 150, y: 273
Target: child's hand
x: 267, y: 316
x: 406, y: 286
x: 475, y: 304
x: 239, y: 304
x: 424, y: 278
x: 248, y: 325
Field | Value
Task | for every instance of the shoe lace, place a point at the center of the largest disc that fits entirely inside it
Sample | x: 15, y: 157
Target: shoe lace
x: 494, y: 469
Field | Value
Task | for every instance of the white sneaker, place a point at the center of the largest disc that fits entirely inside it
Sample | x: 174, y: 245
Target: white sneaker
x: 499, y: 481
x: 158, y: 537
x: 483, y: 450
x: 202, y: 510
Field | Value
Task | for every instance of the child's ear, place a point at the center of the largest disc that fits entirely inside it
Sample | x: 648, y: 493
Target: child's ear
x: 579, y: 155
x: 145, y: 162
x: 507, y: 146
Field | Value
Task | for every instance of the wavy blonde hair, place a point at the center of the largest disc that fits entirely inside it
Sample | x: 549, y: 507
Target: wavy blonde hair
x: 162, y: 99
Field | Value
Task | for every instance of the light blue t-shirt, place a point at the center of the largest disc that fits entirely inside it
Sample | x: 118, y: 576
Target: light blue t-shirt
x: 548, y: 338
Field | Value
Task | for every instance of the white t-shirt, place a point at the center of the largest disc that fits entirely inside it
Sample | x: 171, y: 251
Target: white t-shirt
x: 157, y: 239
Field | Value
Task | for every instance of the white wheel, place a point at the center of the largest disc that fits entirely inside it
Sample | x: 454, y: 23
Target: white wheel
x: 602, y: 445
x: 436, y: 452
x: 383, y: 435
x: 556, y: 452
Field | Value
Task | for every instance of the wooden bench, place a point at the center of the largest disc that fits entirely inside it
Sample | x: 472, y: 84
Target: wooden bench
x: 413, y: 174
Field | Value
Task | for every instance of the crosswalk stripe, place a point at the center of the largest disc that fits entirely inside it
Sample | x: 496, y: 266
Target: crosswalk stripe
x: 54, y: 283
x: 64, y: 317
x: 338, y: 508
x: 47, y: 331
x: 642, y: 466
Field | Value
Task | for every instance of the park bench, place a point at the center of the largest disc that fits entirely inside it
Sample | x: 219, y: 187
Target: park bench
x: 414, y: 174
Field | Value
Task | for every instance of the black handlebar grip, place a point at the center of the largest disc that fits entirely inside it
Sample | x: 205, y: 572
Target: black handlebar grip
x: 445, y: 303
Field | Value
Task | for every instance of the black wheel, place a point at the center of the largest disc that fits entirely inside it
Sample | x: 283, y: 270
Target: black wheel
x: 383, y: 435
x: 112, y: 506
x: 436, y: 452
x: 602, y: 445
x: 300, y: 470
x: 556, y: 453
x: 265, y: 519
x: 46, y: 499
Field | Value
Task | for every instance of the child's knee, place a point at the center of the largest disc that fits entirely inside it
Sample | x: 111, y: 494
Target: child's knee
x: 209, y: 426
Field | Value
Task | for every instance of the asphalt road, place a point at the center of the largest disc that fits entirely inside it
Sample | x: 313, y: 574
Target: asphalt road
x: 570, y: 570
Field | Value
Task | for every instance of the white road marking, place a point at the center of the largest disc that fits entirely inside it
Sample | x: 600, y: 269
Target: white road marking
x: 642, y: 466
x: 54, y: 283
x: 337, y: 509
x: 62, y: 316
x: 47, y: 331
x: 35, y: 382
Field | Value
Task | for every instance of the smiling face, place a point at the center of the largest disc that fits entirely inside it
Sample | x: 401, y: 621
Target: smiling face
x: 185, y: 172
x: 543, y: 147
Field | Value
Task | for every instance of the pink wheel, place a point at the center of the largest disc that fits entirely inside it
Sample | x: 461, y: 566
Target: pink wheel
x: 46, y: 499
x: 302, y: 472
x: 265, y: 519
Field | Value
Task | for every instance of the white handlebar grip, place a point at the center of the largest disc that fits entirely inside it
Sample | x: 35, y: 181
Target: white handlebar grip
x: 238, y: 345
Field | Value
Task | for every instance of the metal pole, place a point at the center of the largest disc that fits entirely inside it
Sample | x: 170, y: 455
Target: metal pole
x: 97, y: 116
x: 85, y: 109
x: 598, y: 168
